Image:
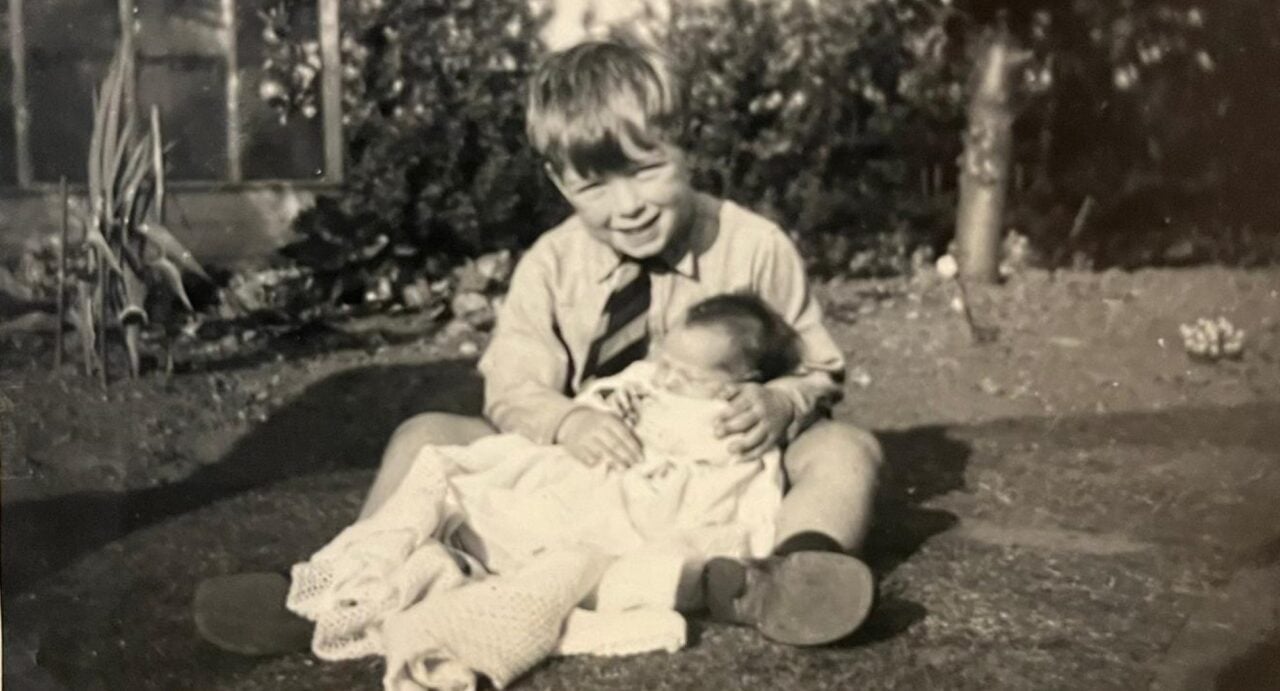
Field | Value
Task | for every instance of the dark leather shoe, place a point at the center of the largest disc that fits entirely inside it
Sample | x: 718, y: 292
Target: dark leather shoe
x: 803, y: 598
x: 244, y: 613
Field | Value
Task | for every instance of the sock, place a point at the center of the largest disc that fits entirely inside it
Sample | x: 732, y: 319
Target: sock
x: 808, y: 541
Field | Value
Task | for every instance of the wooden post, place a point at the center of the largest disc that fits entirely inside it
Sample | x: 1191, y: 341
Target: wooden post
x: 985, y: 163
x: 62, y: 276
x: 235, y: 169
x: 18, y: 96
x: 331, y: 91
x: 129, y: 61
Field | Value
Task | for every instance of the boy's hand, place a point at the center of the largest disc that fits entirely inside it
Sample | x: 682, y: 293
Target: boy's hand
x: 758, y: 414
x: 595, y: 437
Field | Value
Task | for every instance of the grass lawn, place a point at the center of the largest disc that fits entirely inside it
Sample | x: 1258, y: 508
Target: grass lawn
x: 1075, y: 506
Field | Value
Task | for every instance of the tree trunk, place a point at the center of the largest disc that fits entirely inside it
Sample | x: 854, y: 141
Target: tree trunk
x: 985, y: 163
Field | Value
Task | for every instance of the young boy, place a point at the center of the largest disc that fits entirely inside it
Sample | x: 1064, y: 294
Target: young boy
x: 587, y: 298
x: 641, y: 247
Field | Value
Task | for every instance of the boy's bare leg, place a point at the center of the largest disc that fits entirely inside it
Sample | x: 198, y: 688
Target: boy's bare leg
x: 440, y: 429
x: 832, y: 468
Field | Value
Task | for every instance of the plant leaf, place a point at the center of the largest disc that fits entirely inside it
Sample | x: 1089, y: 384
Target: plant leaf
x: 119, y: 167
x: 111, y: 127
x: 173, y: 275
x: 157, y: 160
x: 94, y: 237
x: 171, y: 248
x: 135, y: 173
x: 95, y: 153
x: 135, y: 295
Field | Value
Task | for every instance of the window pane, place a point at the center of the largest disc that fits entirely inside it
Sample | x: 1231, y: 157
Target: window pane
x: 180, y: 27
x: 182, y: 69
x: 59, y: 93
x: 79, y: 27
x: 8, y: 156
x: 191, y: 94
x: 69, y: 44
x: 270, y: 149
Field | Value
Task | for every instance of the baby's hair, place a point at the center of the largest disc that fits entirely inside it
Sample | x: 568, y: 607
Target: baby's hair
x: 587, y: 102
x: 767, y: 342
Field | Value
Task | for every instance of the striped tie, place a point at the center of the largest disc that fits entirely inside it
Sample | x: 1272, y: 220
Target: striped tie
x: 623, y: 336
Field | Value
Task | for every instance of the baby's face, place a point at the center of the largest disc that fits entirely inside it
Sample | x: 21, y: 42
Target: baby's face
x: 697, y: 361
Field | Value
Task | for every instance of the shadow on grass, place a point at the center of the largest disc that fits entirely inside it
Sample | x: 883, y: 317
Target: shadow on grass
x: 1256, y: 670
x: 342, y: 421
x: 920, y: 463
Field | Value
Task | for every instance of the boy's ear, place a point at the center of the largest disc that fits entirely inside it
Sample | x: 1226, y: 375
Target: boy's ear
x: 556, y: 180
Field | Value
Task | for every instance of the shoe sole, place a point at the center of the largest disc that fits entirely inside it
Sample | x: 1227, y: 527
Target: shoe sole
x: 245, y: 614
x: 814, y: 598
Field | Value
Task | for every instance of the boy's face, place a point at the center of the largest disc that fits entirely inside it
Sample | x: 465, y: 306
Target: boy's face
x: 639, y: 210
x: 697, y: 360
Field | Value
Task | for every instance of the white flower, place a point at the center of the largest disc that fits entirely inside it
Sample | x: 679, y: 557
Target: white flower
x: 946, y: 266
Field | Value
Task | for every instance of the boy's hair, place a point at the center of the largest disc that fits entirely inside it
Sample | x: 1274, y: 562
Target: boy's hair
x: 586, y: 101
x: 768, y: 343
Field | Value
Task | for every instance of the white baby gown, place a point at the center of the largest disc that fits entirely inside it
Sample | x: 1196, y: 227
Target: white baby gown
x: 553, y: 532
x: 690, y: 499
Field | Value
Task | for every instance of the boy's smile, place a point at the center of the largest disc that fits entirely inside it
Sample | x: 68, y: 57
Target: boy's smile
x: 639, y: 210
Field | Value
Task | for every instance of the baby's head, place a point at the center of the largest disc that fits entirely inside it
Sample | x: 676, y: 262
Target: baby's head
x: 724, y: 339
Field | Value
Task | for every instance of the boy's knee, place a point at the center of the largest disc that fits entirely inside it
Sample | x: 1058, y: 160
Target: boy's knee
x: 832, y: 447
x: 440, y: 429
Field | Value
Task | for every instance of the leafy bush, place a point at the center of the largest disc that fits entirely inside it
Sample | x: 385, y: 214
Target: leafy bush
x: 1154, y: 110
x: 438, y: 167
x: 840, y: 118
x: 824, y: 115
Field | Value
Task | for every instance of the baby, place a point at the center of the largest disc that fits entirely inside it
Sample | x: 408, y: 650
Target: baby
x: 725, y: 339
x: 691, y: 495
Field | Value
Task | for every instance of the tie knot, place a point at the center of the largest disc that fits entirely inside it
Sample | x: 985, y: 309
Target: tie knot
x: 651, y: 265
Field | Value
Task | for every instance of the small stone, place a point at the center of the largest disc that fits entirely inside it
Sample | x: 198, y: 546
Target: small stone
x: 468, y: 349
x: 860, y: 377
x: 989, y: 386
x: 473, y: 308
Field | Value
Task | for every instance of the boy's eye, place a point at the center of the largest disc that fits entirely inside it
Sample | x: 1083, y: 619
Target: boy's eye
x: 650, y: 170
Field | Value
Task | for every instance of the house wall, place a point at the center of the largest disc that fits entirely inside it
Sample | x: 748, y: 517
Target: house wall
x: 220, y: 226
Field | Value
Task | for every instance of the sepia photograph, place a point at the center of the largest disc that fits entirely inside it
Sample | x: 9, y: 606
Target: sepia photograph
x: 444, y: 345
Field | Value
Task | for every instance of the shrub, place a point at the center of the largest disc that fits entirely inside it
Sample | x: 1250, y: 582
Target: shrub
x: 437, y: 163
x: 824, y: 115
x: 841, y: 119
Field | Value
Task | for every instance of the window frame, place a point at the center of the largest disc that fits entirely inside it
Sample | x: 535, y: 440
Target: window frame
x: 330, y: 105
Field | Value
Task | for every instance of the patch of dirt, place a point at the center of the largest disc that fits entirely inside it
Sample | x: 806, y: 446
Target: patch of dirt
x: 1018, y: 470
x: 1069, y: 343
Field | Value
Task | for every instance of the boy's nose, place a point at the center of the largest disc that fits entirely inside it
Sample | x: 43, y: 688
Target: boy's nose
x: 627, y: 202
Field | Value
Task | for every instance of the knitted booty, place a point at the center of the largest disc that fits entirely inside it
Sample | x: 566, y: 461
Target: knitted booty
x: 499, y: 627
